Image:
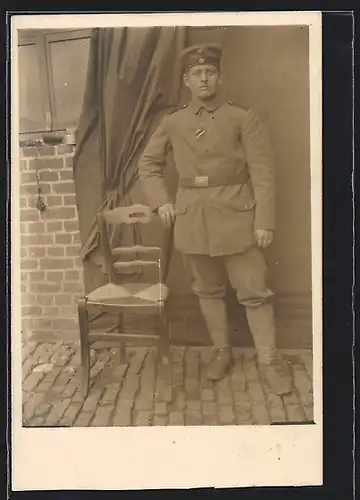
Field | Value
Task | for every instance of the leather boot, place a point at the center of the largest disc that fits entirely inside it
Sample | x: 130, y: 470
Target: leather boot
x: 215, y: 316
x: 219, y: 365
x: 277, y: 376
x: 262, y: 325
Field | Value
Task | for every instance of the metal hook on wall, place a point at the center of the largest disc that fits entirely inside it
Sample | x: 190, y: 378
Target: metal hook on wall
x: 40, y: 204
x: 49, y: 138
x: 38, y: 144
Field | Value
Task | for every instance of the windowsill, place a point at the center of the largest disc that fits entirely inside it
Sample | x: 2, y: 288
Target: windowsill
x: 48, y: 138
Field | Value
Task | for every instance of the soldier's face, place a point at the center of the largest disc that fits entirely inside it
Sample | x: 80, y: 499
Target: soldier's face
x: 203, y: 81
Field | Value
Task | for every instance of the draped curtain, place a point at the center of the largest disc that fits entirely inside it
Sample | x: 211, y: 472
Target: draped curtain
x: 134, y: 77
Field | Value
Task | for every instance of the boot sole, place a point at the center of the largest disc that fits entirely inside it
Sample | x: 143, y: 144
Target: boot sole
x: 214, y: 379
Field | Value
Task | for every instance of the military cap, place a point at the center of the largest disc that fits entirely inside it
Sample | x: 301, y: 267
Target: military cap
x: 209, y: 53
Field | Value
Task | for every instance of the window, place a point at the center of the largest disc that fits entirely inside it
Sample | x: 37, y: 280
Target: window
x: 52, y: 78
x: 32, y: 105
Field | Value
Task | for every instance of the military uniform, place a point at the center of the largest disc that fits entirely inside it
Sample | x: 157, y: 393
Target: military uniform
x: 226, y: 190
x: 218, y: 219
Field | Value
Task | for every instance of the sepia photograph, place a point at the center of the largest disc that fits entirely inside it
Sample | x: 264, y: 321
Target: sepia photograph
x: 166, y: 205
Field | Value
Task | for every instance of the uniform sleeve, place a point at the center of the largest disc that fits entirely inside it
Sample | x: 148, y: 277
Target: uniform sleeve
x: 261, y: 170
x: 151, y: 166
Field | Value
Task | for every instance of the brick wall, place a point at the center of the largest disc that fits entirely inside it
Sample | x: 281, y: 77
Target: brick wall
x: 51, y: 269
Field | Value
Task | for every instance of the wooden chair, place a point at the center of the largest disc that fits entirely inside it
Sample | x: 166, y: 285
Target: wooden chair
x: 136, y: 297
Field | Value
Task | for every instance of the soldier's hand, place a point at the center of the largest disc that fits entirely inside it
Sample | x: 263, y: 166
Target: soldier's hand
x: 167, y: 214
x: 263, y: 237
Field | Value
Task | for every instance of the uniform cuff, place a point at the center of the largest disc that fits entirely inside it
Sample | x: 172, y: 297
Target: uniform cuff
x: 264, y: 220
x: 156, y: 193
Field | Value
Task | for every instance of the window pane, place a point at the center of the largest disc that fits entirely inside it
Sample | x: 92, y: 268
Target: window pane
x: 69, y: 61
x: 31, y: 108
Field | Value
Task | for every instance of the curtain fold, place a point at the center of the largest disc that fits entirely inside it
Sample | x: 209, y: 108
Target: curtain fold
x: 134, y: 77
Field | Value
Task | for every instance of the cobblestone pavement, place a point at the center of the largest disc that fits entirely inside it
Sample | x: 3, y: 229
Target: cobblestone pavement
x: 134, y: 394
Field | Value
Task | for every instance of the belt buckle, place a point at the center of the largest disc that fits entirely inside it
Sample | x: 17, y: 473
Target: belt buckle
x: 201, y: 181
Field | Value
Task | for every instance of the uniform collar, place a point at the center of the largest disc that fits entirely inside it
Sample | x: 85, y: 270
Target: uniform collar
x: 196, y: 104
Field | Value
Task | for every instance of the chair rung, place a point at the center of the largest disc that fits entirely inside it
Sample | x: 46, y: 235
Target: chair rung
x: 111, y: 329
x: 139, y: 335
x: 94, y: 318
x: 119, y: 336
x: 135, y: 263
x: 134, y: 249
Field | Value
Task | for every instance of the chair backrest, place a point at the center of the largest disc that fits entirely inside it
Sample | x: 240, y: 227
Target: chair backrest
x: 114, y: 258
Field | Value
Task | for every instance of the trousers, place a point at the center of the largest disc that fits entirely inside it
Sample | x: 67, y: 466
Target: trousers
x: 247, y: 274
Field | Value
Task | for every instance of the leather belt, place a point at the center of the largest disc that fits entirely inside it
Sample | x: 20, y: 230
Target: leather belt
x: 201, y: 181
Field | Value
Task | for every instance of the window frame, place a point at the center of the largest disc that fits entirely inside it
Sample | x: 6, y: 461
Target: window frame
x: 42, y: 39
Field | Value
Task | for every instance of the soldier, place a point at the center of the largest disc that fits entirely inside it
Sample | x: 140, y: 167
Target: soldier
x: 224, y: 212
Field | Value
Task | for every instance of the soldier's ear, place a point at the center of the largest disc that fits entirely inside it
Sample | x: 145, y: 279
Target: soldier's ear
x: 186, y: 79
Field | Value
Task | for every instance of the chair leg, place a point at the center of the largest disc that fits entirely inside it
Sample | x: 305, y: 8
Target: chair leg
x: 84, y: 346
x: 122, y: 351
x: 164, y: 348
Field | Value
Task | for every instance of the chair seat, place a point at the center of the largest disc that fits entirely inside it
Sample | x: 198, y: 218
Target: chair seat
x: 129, y: 294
